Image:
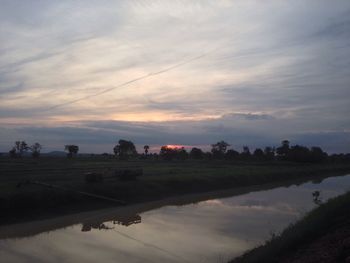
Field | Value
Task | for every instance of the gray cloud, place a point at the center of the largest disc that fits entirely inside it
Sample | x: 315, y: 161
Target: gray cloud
x: 279, y: 70
x: 100, y: 136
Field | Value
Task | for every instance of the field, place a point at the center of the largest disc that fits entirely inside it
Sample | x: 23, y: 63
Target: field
x: 160, y: 179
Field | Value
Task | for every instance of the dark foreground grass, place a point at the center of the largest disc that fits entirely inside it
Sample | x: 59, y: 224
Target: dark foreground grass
x: 324, y: 219
x: 161, y: 179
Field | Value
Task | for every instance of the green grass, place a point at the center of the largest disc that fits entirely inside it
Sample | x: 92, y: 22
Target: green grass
x: 161, y: 179
x: 318, y: 222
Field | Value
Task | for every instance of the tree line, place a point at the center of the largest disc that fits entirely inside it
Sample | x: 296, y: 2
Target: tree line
x: 21, y: 148
x: 125, y: 149
x: 220, y: 151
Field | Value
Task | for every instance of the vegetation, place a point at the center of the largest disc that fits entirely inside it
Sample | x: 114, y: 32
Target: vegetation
x: 146, y: 148
x: 169, y: 153
x: 173, y: 171
x: 72, y: 150
x: 219, y: 149
x: 283, y: 153
x: 125, y: 149
x: 196, y: 153
x: 19, y: 148
x: 22, y: 147
x: 321, y: 221
x: 161, y: 178
x: 36, y: 148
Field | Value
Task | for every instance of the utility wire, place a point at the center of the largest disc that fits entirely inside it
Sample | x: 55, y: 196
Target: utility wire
x: 134, y: 80
x: 152, y: 246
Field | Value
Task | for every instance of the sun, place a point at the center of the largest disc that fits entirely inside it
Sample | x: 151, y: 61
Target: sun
x: 175, y: 146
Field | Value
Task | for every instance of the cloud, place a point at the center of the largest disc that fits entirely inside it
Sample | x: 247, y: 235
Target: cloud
x: 101, y: 136
x: 248, y: 116
x: 213, y: 70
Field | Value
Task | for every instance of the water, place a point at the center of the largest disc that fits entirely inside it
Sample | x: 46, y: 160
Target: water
x: 215, y: 230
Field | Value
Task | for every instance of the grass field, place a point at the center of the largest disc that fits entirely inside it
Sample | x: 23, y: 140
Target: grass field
x: 160, y: 179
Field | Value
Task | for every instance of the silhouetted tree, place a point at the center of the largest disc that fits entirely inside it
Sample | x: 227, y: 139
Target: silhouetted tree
x: 167, y: 153
x: 246, y: 150
x: 196, y: 153
x: 124, y: 149
x: 318, y: 155
x: 231, y: 154
x: 146, y: 148
x: 181, y: 153
x: 283, y: 150
x: 269, y: 153
x: 245, y: 155
x: 36, y: 148
x: 155, y: 156
x: 340, y: 158
x: 19, y: 148
x: 12, y: 153
x: 208, y: 155
x: 72, y: 150
x: 170, y: 153
x: 219, y: 149
x: 259, y: 154
x: 298, y: 153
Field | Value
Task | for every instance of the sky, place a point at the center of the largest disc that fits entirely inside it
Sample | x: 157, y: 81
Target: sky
x: 91, y: 72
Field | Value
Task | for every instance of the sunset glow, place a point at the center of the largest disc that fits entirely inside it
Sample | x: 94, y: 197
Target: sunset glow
x: 175, y: 146
x: 179, y: 72
x: 174, y: 131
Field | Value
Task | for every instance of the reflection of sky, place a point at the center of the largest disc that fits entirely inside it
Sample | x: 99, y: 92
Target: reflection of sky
x: 210, y: 231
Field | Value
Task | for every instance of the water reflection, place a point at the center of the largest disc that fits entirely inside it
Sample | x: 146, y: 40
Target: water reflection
x: 316, y: 196
x: 124, y: 220
x: 214, y: 230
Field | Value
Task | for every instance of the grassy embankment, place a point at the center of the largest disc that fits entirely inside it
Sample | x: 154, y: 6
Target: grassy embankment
x: 161, y: 179
x: 318, y: 237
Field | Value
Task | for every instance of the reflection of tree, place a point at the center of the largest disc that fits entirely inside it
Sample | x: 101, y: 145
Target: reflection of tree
x: 99, y: 226
x: 125, y: 220
x: 134, y: 219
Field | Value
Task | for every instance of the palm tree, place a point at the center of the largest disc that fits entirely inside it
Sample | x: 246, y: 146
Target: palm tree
x: 146, y: 147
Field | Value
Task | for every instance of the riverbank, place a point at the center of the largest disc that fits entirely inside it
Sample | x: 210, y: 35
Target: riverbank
x: 323, y: 235
x: 122, y: 214
x: 160, y: 180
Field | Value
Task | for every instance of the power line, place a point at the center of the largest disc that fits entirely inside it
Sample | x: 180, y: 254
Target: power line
x: 152, y: 246
x: 134, y: 80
